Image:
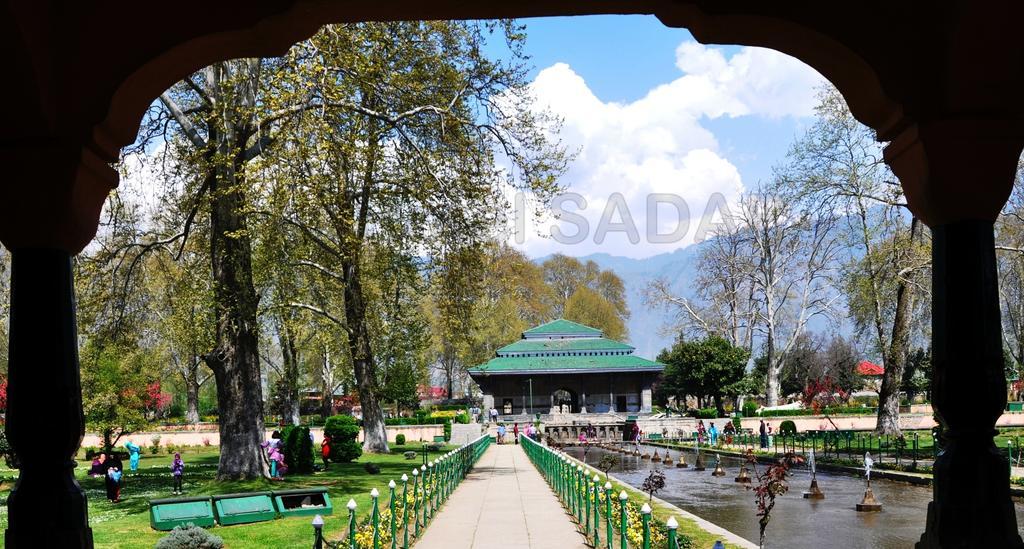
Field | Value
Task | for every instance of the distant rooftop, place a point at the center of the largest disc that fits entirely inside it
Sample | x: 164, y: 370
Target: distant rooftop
x: 564, y: 346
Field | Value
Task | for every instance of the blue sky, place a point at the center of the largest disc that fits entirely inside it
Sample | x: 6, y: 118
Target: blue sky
x: 652, y: 111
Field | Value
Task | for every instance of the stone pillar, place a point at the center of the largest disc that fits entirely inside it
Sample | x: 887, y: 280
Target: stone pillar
x: 957, y: 175
x: 645, y: 396
x: 47, y: 507
x: 611, y: 393
x: 488, y: 404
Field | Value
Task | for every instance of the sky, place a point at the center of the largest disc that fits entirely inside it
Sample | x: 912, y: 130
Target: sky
x: 664, y: 129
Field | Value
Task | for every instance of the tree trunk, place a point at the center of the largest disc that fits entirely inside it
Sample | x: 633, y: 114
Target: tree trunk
x: 375, y: 437
x: 719, y: 407
x: 772, y: 383
x: 290, y: 376
x: 889, y: 394
x: 235, y: 359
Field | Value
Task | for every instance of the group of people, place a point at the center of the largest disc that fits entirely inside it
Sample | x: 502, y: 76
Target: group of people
x: 275, y: 454
x: 529, y: 431
x: 109, y: 466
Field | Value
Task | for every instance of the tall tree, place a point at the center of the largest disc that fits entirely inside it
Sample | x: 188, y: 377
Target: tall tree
x: 839, y: 160
x: 409, y: 121
x: 703, y: 368
x: 582, y: 292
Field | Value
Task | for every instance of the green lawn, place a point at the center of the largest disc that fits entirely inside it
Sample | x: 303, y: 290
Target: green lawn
x: 126, y: 524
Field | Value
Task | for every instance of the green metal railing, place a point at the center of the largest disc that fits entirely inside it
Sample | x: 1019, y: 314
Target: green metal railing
x: 408, y: 511
x: 592, y: 504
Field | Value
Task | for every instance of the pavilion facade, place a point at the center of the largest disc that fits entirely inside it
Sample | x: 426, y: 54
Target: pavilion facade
x: 566, y: 367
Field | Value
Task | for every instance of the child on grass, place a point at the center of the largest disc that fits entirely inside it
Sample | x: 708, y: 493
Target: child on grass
x: 177, y: 471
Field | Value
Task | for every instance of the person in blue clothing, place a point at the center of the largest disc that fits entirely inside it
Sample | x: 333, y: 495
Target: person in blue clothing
x: 134, y: 453
x: 713, y: 434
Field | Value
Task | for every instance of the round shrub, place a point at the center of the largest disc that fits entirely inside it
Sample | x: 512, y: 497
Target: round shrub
x: 400, y: 439
x: 787, y: 427
x: 190, y: 536
x: 343, y: 430
x: 298, y: 449
x: 447, y: 430
x: 749, y: 409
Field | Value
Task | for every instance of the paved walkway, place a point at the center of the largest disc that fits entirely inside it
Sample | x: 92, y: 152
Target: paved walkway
x: 504, y: 503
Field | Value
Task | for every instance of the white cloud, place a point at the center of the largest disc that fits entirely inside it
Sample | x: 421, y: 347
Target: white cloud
x: 657, y: 144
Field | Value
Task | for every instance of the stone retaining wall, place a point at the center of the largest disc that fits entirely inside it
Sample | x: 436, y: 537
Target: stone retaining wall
x: 413, y: 433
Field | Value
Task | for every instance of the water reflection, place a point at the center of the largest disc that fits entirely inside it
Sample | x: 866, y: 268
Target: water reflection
x: 796, y: 523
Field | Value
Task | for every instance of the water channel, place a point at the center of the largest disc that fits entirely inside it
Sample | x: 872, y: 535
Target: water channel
x: 796, y: 523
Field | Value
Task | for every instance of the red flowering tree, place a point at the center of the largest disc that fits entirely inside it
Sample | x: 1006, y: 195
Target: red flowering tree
x: 155, y: 400
x: 3, y: 395
x: 822, y: 394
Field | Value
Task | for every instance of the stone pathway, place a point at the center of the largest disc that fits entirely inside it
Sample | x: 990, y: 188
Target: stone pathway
x: 504, y: 503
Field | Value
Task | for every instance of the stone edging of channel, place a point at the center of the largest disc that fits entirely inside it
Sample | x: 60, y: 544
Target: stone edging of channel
x: 707, y: 526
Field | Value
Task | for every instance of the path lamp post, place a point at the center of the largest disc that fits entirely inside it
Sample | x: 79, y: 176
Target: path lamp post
x: 375, y: 518
x: 394, y: 519
x: 623, y: 520
x: 596, y: 488
x: 672, y: 525
x: 415, y: 500
x: 608, y: 513
x: 351, y: 523
x: 318, y: 532
x: 645, y: 517
x: 405, y: 510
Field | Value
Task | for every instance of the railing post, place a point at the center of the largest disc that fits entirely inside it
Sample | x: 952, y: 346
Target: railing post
x: 645, y: 518
x: 608, y: 514
x: 375, y: 518
x: 596, y: 489
x: 352, y: 524
x: 672, y: 525
x: 586, y: 504
x: 579, y: 499
x: 416, y: 500
x: 405, y: 510
x: 623, y: 520
x: 394, y: 519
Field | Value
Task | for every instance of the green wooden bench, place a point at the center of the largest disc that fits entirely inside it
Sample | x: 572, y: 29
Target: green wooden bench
x: 244, y: 508
x: 165, y: 514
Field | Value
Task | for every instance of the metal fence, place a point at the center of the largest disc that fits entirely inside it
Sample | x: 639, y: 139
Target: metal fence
x: 598, y: 510
x: 410, y: 509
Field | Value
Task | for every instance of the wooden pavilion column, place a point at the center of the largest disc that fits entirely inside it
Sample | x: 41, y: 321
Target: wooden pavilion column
x: 957, y: 176
x: 49, y: 215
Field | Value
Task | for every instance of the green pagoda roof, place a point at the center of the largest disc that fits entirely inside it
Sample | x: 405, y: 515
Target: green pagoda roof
x: 562, y: 326
x: 566, y: 364
x: 569, y: 344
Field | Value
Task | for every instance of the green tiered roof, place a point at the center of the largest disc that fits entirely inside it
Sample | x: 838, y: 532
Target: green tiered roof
x: 562, y: 326
x: 563, y: 346
x: 569, y: 344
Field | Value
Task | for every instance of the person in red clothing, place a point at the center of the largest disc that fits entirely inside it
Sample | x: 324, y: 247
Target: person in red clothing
x: 515, y: 432
x: 325, y: 451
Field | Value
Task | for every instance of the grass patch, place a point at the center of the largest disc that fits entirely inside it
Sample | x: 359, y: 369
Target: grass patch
x: 126, y: 524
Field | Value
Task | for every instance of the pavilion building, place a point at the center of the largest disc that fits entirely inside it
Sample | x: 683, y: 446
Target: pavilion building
x: 563, y: 367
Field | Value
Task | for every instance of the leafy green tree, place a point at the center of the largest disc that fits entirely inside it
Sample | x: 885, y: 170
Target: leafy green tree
x: 711, y: 367
x: 588, y: 307
x: 114, y: 387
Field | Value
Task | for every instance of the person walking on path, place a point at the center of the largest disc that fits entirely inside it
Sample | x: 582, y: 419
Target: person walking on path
x: 515, y: 432
x: 764, y: 435
x: 501, y: 433
x: 177, y: 471
x: 494, y: 415
x: 134, y: 453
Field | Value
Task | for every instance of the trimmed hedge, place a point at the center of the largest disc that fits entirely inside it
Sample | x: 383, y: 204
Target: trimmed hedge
x: 344, y: 432
x: 842, y: 410
x: 416, y: 421
x: 400, y: 439
x: 787, y: 427
x: 705, y: 413
x: 750, y: 409
x: 298, y: 449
